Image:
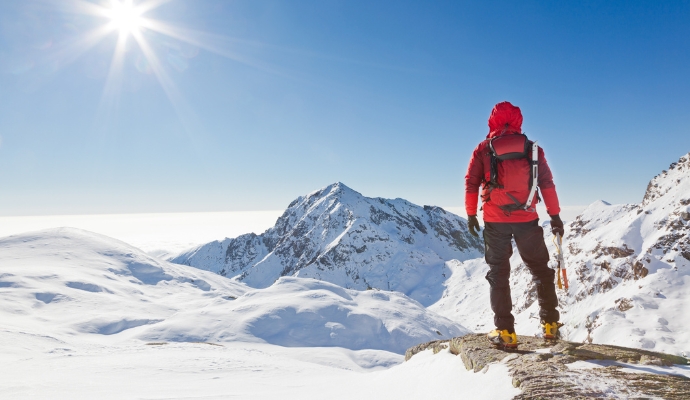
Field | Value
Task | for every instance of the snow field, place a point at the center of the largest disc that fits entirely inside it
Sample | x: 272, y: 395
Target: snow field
x: 87, y: 316
x: 76, y: 285
x: 244, y: 371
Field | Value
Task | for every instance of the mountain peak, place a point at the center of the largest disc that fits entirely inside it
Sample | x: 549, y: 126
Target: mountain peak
x: 338, y: 235
x: 670, y: 183
x: 337, y: 189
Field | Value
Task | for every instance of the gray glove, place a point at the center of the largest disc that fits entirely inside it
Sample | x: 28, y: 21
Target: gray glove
x: 473, y: 224
x: 556, y: 225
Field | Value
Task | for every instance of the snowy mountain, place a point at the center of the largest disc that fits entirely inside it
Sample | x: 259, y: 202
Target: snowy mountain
x: 337, y: 235
x: 81, y: 312
x: 67, y: 285
x: 628, y: 267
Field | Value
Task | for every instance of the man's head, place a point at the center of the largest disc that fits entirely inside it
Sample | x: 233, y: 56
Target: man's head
x: 505, y: 116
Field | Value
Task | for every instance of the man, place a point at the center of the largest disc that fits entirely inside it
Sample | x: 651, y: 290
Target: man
x: 509, y: 213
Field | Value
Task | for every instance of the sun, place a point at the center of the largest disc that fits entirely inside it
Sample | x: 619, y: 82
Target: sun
x: 134, y: 27
x: 124, y: 16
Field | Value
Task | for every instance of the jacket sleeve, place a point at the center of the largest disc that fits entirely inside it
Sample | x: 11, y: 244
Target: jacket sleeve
x: 547, y: 187
x: 473, y: 180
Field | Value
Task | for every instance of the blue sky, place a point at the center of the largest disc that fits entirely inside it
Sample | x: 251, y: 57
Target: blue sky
x: 280, y: 98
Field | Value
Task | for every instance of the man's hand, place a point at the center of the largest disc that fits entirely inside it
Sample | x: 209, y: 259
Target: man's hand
x: 556, y: 225
x: 473, y: 224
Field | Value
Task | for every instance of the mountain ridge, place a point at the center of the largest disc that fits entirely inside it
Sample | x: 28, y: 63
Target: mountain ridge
x: 338, y: 235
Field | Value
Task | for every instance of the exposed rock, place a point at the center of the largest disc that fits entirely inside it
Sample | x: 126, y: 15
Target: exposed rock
x: 436, y: 346
x: 614, y: 252
x: 657, y: 187
x: 624, y: 304
x: 543, y: 369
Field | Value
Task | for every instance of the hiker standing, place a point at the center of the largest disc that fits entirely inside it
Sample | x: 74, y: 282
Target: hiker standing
x: 504, y: 166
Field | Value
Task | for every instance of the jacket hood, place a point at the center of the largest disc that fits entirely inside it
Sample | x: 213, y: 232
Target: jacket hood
x: 505, y: 117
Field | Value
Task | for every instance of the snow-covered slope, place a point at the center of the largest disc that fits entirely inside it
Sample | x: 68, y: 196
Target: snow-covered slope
x: 630, y: 268
x: 629, y: 272
x: 240, y: 370
x: 306, y: 312
x: 66, y: 282
x: 70, y: 285
x: 337, y: 235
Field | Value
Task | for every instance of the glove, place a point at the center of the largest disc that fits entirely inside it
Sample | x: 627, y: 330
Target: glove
x: 556, y: 225
x: 473, y: 224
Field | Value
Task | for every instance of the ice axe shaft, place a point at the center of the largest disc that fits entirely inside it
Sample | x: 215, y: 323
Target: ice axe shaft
x: 565, y: 279
x: 561, y: 263
x: 560, y: 284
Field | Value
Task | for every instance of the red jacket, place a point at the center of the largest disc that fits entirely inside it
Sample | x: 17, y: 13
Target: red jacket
x: 505, y: 119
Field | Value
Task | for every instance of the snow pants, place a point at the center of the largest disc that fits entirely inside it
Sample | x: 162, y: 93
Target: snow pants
x: 529, y: 238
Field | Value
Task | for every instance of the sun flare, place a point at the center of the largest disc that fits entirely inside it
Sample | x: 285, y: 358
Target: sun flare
x: 124, y: 16
x: 135, y: 28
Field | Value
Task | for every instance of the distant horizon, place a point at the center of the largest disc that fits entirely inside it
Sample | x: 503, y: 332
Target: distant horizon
x: 168, y: 233
x: 455, y: 209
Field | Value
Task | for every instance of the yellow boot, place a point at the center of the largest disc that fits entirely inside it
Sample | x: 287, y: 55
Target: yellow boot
x: 550, y: 331
x: 503, y: 338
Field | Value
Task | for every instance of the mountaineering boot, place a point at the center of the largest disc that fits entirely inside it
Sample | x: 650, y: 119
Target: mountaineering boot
x: 503, y: 338
x: 549, y: 330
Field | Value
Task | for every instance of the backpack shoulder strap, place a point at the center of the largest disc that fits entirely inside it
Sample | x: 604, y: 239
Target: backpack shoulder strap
x: 534, y: 176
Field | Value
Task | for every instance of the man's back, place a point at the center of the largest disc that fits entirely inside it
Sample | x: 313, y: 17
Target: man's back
x: 506, y: 119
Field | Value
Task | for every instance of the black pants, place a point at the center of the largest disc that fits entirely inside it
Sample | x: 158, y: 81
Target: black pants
x: 529, y: 238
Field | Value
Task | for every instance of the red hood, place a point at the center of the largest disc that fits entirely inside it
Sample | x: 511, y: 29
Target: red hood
x: 505, y: 117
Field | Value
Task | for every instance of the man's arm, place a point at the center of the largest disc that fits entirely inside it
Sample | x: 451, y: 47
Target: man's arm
x: 547, y: 187
x: 473, y: 180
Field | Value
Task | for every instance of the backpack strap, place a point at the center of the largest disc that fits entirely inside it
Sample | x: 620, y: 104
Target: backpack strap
x: 534, y: 179
x: 493, y: 162
x: 534, y: 176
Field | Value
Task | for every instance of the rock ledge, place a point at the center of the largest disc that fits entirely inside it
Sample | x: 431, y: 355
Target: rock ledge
x: 543, y: 369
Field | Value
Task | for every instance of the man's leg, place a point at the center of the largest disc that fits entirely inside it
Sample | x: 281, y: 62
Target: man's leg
x: 529, y: 237
x: 497, y: 242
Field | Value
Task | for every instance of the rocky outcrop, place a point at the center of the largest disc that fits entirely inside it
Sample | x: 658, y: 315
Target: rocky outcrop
x: 543, y: 369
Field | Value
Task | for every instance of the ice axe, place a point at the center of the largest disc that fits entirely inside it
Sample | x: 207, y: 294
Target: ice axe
x: 561, y: 263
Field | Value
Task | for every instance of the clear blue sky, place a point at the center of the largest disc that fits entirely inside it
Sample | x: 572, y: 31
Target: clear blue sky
x: 280, y: 98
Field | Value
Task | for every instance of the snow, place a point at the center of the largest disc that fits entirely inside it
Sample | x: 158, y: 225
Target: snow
x: 336, y: 234
x: 681, y: 370
x: 241, y: 370
x: 298, y: 312
x: 466, y: 295
x: 68, y: 281
x: 89, y: 316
